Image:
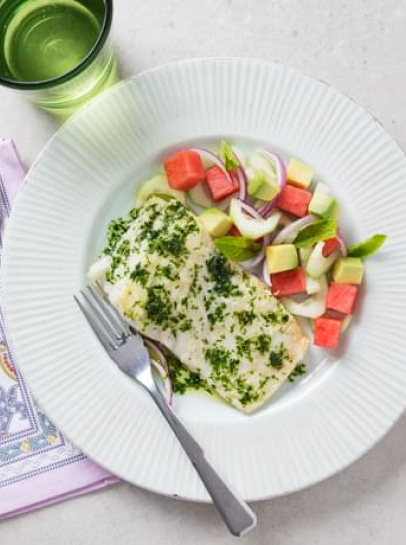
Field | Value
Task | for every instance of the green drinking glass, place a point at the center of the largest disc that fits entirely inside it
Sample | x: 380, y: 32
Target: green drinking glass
x: 57, y: 51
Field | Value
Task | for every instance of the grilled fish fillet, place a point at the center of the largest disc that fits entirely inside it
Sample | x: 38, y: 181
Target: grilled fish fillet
x: 163, y: 272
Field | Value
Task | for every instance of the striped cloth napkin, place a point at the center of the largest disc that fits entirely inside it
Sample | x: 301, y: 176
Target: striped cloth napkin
x: 38, y: 466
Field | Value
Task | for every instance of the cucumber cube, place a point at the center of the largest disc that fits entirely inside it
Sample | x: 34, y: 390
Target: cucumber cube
x: 282, y: 257
x: 348, y: 270
x: 300, y: 174
x: 321, y: 204
x: 216, y: 222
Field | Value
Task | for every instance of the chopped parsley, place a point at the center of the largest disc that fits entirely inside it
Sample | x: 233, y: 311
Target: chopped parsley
x: 221, y: 361
x: 277, y: 317
x: 244, y: 347
x: 116, y: 229
x: 217, y: 315
x: 221, y: 274
x: 140, y: 275
x: 183, y: 379
x: 186, y: 325
x: 159, y: 306
x: 263, y: 343
x: 167, y: 271
x: 245, y: 317
x: 247, y: 392
x: 298, y: 371
x: 194, y: 286
x: 173, y: 244
x: 276, y: 357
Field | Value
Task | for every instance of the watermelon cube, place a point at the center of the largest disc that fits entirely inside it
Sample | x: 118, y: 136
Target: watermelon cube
x: 330, y: 246
x: 288, y: 282
x: 184, y: 170
x: 327, y: 332
x: 342, y: 297
x: 219, y: 185
x: 294, y: 200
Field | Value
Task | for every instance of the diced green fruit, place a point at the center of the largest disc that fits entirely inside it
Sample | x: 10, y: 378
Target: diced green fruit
x: 261, y: 175
x: 268, y: 191
x: 216, y: 222
x: 261, y: 186
x: 200, y: 195
x: 317, y: 264
x: 282, y: 257
x: 322, y: 188
x: 300, y: 174
x: 255, y: 180
x: 348, y: 270
x: 157, y: 186
x: 321, y: 205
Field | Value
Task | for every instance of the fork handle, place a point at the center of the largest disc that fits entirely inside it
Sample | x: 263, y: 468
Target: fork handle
x: 237, y: 515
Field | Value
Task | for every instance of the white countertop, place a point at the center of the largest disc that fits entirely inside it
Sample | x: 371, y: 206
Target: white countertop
x: 359, y: 46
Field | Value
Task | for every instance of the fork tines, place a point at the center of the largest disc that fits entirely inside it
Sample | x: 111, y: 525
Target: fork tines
x: 106, y: 322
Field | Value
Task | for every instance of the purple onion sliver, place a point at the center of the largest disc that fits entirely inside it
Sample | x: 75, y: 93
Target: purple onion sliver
x: 251, y: 210
x: 281, y: 178
x: 281, y: 174
x: 265, y: 210
x: 243, y: 183
x: 157, y: 349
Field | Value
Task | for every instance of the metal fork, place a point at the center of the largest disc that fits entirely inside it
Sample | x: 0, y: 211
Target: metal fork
x: 126, y: 348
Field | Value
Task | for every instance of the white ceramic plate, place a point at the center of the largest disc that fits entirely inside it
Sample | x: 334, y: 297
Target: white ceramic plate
x: 88, y: 174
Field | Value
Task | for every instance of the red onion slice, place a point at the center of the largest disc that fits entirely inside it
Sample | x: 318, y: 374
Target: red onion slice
x: 161, y: 365
x: 289, y: 233
x: 243, y: 182
x: 281, y: 178
x: 242, y: 177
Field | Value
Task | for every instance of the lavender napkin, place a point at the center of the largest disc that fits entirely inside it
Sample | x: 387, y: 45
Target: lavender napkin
x: 38, y: 466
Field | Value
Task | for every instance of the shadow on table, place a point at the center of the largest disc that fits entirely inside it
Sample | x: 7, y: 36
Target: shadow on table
x: 339, y: 496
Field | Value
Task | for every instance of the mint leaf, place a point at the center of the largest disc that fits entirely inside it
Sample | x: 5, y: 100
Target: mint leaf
x: 226, y: 153
x: 316, y: 232
x: 366, y: 248
x: 237, y: 248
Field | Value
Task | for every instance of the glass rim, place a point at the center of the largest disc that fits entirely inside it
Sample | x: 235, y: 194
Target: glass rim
x: 83, y: 64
